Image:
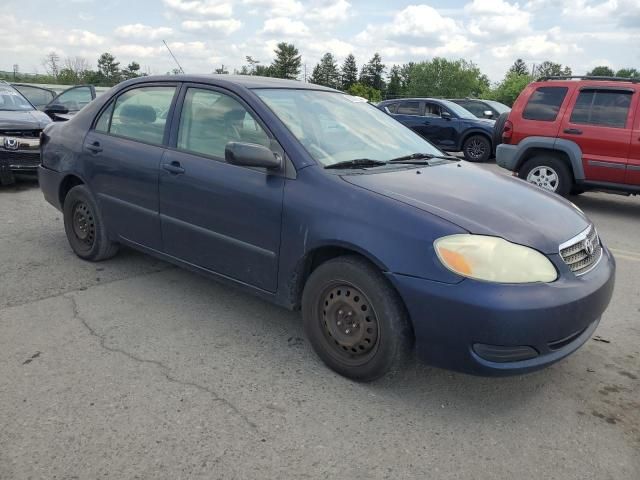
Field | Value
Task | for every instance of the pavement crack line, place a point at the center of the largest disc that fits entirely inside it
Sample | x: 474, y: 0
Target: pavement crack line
x: 164, y: 369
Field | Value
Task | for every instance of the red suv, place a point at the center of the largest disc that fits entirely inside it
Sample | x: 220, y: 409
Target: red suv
x: 572, y: 134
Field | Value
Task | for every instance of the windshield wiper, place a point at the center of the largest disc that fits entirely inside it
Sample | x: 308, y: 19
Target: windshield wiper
x: 420, y: 156
x: 357, y: 163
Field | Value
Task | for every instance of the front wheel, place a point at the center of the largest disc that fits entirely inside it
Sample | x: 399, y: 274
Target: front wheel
x: 84, y: 227
x: 355, y: 320
x: 477, y: 148
x: 549, y: 173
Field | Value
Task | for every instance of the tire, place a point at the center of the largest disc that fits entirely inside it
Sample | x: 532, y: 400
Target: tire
x: 498, y: 127
x: 477, y: 148
x: 541, y: 170
x: 84, y: 226
x: 349, y: 289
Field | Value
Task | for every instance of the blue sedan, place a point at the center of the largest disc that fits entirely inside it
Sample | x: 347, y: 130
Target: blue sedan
x: 316, y: 200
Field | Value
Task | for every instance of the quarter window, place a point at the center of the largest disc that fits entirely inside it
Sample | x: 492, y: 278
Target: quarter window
x: 409, y: 108
x: 212, y: 119
x: 608, y: 108
x: 102, y: 125
x: 137, y: 114
x: 545, y: 103
x: 75, y: 98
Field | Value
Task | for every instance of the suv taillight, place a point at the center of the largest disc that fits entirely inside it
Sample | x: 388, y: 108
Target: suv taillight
x: 507, y: 132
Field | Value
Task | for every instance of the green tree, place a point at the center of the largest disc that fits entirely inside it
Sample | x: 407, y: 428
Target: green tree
x: 263, y: 71
x: 508, y: 90
x: 252, y: 64
x: 551, y: 69
x: 349, y: 72
x: 365, y: 91
x: 628, y: 73
x: 519, y: 67
x: 394, y: 87
x: 601, y: 71
x: 372, y: 73
x: 287, y: 62
x: 132, y: 71
x: 326, y: 72
x: 109, y: 68
x: 441, y: 77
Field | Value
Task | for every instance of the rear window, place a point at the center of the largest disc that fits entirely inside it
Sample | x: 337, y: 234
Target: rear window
x: 545, y: 103
x: 608, y: 108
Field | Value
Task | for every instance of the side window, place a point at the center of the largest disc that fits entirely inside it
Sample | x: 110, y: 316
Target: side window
x: 75, y: 98
x: 102, y: 124
x: 476, y: 108
x: 545, y: 104
x: 409, y: 108
x: 392, y: 107
x: 433, y: 110
x: 211, y: 119
x: 137, y: 114
x: 608, y: 108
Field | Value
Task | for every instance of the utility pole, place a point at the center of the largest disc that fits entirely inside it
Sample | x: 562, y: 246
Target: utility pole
x: 305, y: 73
x: 174, y: 57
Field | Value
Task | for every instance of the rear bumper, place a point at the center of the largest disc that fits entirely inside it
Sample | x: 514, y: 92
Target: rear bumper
x: 475, y: 327
x: 507, y: 156
x: 50, y: 185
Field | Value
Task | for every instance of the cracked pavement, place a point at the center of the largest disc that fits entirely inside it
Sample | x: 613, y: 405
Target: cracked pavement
x: 132, y: 368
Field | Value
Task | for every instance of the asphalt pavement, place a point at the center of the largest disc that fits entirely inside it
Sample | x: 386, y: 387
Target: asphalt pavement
x: 132, y: 368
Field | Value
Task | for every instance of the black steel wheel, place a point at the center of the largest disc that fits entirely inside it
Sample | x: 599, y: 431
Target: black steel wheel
x: 355, y: 320
x: 84, y: 227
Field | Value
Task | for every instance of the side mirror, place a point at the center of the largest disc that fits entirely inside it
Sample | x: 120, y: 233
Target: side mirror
x: 55, y: 109
x: 251, y: 155
x: 488, y: 114
x: 446, y: 115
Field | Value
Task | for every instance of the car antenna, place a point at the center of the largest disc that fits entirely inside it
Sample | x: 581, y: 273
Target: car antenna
x: 174, y: 57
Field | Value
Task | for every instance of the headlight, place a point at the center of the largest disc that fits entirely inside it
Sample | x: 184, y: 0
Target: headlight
x: 493, y: 259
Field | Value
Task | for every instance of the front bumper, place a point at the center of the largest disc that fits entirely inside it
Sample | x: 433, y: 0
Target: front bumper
x: 553, y: 319
x: 18, y: 155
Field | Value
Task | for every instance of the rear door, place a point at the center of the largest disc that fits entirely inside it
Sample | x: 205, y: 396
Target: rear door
x: 600, y: 122
x: 122, y: 154
x: 633, y: 167
x: 409, y: 113
x: 221, y: 217
x: 439, y: 130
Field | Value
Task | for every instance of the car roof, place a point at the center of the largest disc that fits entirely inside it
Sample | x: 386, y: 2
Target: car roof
x: 416, y: 99
x: 247, y: 81
x: 587, y: 82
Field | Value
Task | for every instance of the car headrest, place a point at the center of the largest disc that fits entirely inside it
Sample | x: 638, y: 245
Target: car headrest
x: 138, y: 113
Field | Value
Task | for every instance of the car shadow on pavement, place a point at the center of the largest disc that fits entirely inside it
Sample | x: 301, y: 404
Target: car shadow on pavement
x: 609, y: 204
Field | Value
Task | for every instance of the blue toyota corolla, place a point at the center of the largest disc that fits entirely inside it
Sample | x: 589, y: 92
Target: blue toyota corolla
x: 318, y: 201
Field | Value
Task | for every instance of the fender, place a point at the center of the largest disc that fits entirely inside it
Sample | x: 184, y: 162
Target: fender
x: 475, y: 131
x: 571, y: 149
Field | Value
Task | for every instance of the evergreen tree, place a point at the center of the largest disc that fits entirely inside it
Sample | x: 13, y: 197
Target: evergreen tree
x: 287, y: 62
x: 326, y: 72
x: 349, y: 72
x: 519, y: 67
x: 132, y: 71
x: 109, y: 68
x: 551, y: 69
x: 373, y: 72
x: 394, y: 88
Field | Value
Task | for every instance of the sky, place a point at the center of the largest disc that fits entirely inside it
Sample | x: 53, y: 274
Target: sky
x: 205, y: 34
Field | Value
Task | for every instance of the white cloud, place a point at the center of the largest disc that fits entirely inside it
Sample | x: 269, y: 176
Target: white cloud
x: 84, y: 38
x: 330, y: 11
x: 225, y: 26
x: 138, y: 30
x: 497, y: 17
x: 206, y: 8
x: 285, y: 27
x: 277, y: 8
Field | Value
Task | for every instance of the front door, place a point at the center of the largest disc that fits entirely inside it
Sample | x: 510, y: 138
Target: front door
x: 221, y: 217
x: 122, y: 154
x: 600, y: 123
x: 633, y: 167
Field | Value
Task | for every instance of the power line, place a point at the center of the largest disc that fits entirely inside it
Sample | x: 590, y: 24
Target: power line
x: 174, y: 57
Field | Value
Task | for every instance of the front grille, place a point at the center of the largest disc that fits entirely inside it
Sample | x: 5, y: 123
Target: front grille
x: 582, y: 252
x: 26, y: 159
x: 20, y: 133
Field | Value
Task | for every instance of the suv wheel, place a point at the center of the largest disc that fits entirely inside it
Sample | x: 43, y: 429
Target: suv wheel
x: 549, y: 173
x: 477, y: 148
x: 355, y: 320
x: 84, y: 228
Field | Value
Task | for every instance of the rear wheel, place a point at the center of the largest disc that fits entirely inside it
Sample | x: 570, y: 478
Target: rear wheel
x: 355, y: 320
x: 84, y: 227
x: 549, y: 173
x: 477, y: 148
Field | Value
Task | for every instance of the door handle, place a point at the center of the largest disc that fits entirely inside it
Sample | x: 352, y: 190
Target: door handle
x: 173, y: 167
x: 94, y: 147
x: 573, y: 131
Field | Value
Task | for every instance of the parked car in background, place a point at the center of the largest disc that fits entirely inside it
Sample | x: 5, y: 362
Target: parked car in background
x: 316, y: 200
x: 445, y: 124
x: 59, y: 106
x: 482, y: 108
x: 20, y: 127
x: 571, y: 134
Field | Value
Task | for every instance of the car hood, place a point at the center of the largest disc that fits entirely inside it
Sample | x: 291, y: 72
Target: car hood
x: 484, y: 123
x: 482, y: 202
x: 24, y: 120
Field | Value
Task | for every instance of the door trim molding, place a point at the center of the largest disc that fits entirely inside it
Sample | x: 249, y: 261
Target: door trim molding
x: 602, y: 163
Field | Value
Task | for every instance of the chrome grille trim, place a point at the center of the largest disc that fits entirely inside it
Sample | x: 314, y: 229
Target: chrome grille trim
x: 575, y: 254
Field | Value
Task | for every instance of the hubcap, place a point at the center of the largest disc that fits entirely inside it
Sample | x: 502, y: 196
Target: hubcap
x: 349, y: 322
x: 476, y: 148
x: 544, y: 177
x: 83, y: 223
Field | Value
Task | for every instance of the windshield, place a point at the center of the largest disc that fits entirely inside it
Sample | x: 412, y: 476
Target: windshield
x: 497, y: 106
x: 458, y: 110
x: 11, y: 100
x: 336, y: 127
